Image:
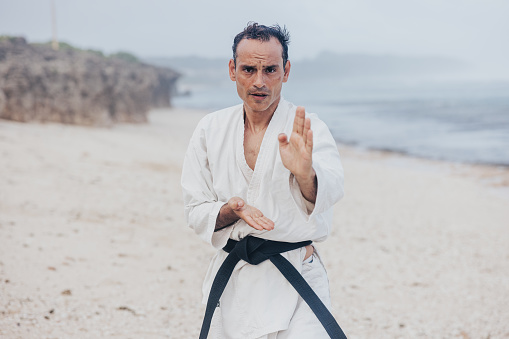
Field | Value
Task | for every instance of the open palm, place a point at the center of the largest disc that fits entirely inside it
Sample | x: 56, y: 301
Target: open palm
x: 296, y: 153
x: 251, y: 215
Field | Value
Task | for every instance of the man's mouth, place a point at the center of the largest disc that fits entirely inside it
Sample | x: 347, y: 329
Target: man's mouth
x: 259, y: 95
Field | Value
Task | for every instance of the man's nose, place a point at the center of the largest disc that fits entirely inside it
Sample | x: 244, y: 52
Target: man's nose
x: 259, y: 81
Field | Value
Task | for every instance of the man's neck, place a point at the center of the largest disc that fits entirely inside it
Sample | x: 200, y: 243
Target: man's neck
x: 258, y: 121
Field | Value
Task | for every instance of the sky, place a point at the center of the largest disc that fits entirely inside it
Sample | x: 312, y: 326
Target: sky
x: 475, y: 31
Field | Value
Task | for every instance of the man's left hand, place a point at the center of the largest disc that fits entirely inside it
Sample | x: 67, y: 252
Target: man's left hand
x: 297, y: 154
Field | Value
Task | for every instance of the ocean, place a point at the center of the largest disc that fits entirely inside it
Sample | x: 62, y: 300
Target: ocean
x: 454, y: 120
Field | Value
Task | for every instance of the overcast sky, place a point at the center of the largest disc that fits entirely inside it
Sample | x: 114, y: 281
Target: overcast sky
x: 475, y: 31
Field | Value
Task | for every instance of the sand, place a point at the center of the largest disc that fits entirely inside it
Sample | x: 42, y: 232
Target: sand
x: 93, y: 241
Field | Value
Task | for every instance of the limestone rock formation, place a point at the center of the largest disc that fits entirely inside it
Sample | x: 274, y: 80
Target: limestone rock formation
x: 77, y: 87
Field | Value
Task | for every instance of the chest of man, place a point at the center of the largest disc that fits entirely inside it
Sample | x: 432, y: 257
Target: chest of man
x: 252, y: 145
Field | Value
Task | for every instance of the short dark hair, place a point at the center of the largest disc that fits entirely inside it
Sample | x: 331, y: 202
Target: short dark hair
x: 263, y: 33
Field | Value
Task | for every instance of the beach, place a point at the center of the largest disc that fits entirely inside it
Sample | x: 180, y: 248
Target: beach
x: 94, y: 243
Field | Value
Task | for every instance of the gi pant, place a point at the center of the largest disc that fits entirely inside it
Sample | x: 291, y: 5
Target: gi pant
x: 304, y: 323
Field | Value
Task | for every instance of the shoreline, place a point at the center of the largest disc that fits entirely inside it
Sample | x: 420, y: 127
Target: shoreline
x: 94, y: 243
x: 494, y: 177
x: 414, y: 156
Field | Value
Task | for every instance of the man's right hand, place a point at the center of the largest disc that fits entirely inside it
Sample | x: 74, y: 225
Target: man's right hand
x: 251, y: 215
x: 235, y: 209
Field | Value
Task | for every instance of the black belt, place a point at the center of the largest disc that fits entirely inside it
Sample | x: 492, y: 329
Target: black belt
x: 254, y: 251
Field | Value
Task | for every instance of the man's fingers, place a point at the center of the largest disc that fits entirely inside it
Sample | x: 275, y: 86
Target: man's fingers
x: 260, y: 222
x: 251, y: 222
x: 265, y: 222
x: 298, y: 122
x: 236, y: 203
x: 252, y: 216
x: 307, y: 127
x: 283, y: 139
x: 269, y: 224
x: 309, y: 143
x: 297, y: 141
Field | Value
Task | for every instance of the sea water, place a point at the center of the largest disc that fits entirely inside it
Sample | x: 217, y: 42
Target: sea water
x: 463, y: 121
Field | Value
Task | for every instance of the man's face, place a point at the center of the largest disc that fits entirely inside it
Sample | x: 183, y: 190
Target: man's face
x: 259, y: 74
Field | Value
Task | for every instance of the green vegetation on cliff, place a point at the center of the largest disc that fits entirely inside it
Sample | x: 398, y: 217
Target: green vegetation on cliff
x: 126, y: 56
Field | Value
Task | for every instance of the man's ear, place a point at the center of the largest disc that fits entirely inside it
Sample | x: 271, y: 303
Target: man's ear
x: 287, y: 71
x: 231, y: 68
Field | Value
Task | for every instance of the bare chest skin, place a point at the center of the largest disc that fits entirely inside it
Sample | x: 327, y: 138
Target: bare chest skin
x: 252, y: 144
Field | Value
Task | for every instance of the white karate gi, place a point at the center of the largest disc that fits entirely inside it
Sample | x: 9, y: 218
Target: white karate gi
x: 258, y: 300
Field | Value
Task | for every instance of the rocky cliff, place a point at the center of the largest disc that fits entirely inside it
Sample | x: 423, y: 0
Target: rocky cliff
x: 77, y: 87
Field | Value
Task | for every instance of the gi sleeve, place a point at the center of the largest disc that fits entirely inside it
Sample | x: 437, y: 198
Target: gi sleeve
x: 329, y: 173
x: 201, y: 204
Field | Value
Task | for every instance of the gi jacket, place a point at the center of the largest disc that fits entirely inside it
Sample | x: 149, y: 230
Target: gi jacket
x: 258, y: 299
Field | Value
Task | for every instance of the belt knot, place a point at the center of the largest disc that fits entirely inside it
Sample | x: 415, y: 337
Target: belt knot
x: 255, y: 250
x: 252, y: 250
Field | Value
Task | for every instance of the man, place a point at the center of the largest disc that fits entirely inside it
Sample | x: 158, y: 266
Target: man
x: 244, y: 177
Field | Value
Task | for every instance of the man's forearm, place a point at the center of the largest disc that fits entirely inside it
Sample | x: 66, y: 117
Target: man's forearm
x: 225, y: 218
x: 308, y: 186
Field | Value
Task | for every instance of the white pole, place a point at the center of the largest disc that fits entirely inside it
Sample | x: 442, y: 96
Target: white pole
x: 54, y: 42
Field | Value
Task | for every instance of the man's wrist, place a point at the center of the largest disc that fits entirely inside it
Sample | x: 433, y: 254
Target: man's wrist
x: 308, y: 185
x: 225, y: 218
x: 306, y: 179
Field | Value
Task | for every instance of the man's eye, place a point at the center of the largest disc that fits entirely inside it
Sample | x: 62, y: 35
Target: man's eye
x: 270, y: 70
x: 248, y: 70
